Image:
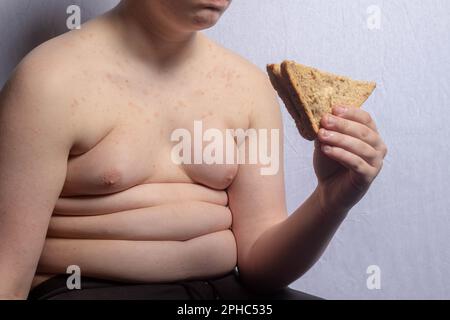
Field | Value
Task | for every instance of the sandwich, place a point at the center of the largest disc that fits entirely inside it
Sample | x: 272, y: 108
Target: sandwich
x: 309, y: 93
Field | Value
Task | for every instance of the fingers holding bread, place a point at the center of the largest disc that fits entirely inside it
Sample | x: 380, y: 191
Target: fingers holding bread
x: 351, y: 128
x: 352, y: 162
x: 363, y: 117
x: 355, y: 114
x: 350, y: 144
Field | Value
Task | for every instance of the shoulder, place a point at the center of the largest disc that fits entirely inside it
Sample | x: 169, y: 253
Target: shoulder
x: 38, y: 93
x: 61, y: 59
x: 253, y: 75
x: 52, y: 73
x: 255, y: 82
x: 44, y: 71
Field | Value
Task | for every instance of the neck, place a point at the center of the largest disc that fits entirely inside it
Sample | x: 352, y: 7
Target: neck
x: 152, y: 37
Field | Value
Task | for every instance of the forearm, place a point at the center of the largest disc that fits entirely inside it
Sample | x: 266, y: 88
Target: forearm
x: 14, y: 284
x: 287, y: 250
x: 12, y: 290
x: 20, y: 247
x: 17, y: 269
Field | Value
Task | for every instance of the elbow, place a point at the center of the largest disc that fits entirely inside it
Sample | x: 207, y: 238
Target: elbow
x: 13, y: 296
x: 260, y: 283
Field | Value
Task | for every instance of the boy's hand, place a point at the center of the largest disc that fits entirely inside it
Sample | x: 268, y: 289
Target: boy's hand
x: 348, y: 157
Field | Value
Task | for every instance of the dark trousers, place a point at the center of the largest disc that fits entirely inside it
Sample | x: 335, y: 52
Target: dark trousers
x: 227, y: 287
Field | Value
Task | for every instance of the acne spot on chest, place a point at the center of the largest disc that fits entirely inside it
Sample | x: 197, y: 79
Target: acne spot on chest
x: 75, y: 103
x: 199, y: 92
x: 134, y: 107
x: 180, y: 105
x: 207, y: 114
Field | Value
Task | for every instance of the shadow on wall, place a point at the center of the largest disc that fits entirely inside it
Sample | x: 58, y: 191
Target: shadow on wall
x: 25, y: 24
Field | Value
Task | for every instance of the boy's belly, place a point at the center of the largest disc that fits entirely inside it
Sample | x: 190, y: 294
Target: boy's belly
x: 148, y: 233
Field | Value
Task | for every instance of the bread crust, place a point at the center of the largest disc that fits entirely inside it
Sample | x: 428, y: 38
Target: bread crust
x: 284, y: 89
x: 307, y: 123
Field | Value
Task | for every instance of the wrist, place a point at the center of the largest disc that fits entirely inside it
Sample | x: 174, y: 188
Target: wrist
x: 328, y: 208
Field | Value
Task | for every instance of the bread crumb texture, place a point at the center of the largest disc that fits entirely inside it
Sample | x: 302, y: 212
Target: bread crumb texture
x: 319, y: 91
x: 313, y: 93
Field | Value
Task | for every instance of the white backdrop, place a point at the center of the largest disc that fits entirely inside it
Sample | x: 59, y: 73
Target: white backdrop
x: 403, y: 224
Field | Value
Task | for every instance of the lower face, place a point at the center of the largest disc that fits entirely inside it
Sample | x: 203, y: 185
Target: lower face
x: 205, y: 18
x: 196, y: 14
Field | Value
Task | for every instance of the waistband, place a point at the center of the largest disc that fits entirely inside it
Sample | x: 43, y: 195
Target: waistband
x: 56, y: 288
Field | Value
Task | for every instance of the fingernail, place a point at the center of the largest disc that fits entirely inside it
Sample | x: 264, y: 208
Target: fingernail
x: 340, y: 110
x: 324, y: 133
x: 330, y: 120
x: 326, y: 148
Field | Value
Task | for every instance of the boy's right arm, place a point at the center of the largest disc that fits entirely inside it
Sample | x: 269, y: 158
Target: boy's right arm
x: 36, y: 135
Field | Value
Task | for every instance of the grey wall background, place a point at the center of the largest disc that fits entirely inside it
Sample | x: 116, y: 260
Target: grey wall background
x: 403, y: 224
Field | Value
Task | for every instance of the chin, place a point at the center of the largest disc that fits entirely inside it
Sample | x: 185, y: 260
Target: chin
x: 205, y: 19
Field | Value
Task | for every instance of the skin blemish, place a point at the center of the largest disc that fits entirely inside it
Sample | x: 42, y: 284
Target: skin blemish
x: 156, y: 95
x: 230, y: 75
x: 156, y: 114
x: 199, y: 92
x: 134, y: 106
x: 181, y: 104
x: 208, y: 114
x: 75, y: 103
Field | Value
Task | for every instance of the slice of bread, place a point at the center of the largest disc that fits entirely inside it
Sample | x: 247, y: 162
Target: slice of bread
x: 281, y: 85
x: 309, y: 93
